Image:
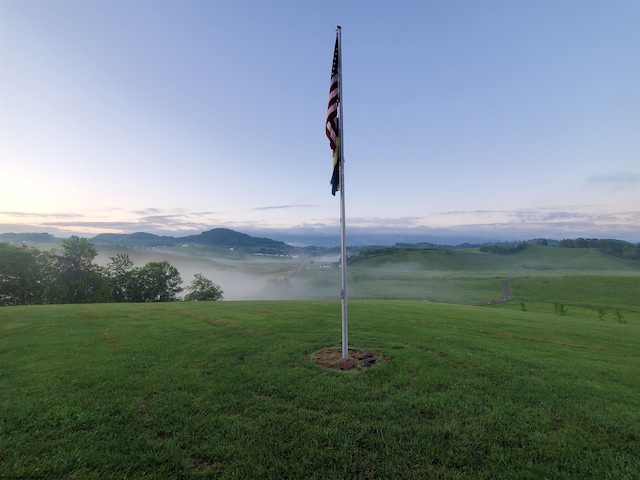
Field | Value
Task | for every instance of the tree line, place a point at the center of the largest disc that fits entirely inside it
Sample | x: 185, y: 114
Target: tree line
x: 504, y: 249
x: 617, y: 248
x: 31, y: 277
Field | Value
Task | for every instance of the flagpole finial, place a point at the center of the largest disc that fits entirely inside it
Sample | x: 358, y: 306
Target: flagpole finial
x: 339, y: 27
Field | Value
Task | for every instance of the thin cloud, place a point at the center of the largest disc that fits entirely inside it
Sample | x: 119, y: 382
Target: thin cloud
x: 544, y: 215
x: 93, y: 225
x: 480, y: 213
x: 616, y: 180
x: 385, y: 221
x: 41, y: 215
x: 163, y: 219
x: 284, y: 207
x: 147, y: 211
x: 158, y: 226
x: 549, y: 217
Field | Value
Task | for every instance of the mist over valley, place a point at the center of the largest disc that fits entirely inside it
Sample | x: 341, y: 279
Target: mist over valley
x: 258, y: 268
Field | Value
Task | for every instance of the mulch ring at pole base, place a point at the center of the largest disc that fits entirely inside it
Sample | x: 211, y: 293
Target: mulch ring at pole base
x: 332, y: 358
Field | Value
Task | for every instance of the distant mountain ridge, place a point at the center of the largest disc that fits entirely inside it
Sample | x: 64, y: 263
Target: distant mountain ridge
x: 227, y: 238
x: 138, y: 239
x: 217, y: 237
x: 28, y: 237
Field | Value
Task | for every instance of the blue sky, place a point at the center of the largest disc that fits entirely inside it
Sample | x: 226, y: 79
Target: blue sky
x: 498, y: 120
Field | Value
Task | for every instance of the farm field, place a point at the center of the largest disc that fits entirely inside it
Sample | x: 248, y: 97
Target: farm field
x: 230, y: 389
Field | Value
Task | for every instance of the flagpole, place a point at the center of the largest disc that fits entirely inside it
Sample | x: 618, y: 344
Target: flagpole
x: 343, y: 231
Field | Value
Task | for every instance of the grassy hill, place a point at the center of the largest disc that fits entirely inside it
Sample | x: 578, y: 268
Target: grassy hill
x: 463, y: 275
x: 229, y: 390
x: 549, y: 260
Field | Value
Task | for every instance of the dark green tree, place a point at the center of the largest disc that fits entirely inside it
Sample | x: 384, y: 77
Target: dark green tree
x: 19, y: 276
x: 81, y: 279
x: 124, y: 278
x: 559, y: 308
x: 29, y: 277
x: 202, y: 289
x: 50, y: 286
x: 158, y: 282
x: 77, y: 254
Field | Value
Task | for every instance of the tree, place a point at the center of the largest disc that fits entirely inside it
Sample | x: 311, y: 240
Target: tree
x: 77, y: 254
x: 559, y: 308
x: 18, y: 276
x: 124, y: 278
x: 82, y: 280
x: 29, y: 277
x: 155, y: 282
x: 51, y: 287
x: 203, y: 290
x: 158, y: 282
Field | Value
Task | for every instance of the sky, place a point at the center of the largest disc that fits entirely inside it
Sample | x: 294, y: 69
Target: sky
x: 463, y: 120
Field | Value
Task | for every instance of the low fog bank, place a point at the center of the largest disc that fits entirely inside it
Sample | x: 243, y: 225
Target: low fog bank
x: 253, y: 278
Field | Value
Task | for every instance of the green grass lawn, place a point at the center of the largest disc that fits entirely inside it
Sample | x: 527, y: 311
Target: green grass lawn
x: 226, y: 390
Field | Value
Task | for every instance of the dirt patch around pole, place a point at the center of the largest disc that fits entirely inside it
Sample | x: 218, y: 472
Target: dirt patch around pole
x: 358, y: 358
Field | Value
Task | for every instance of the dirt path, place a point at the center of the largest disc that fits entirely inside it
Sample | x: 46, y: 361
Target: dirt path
x: 506, y: 293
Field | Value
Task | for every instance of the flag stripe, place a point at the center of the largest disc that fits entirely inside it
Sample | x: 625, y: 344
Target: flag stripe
x: 334, y: 98
x: 332, y: 123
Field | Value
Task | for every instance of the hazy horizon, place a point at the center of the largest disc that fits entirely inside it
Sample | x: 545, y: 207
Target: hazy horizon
x: 359, y: 236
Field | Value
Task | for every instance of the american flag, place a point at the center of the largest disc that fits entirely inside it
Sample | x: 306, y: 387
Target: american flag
x: 332, y: 126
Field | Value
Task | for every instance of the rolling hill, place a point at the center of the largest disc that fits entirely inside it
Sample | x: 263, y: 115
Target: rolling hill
x: 217, y: 237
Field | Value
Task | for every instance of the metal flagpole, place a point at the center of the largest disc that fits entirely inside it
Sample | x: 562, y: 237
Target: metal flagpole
x: 343, y: 233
